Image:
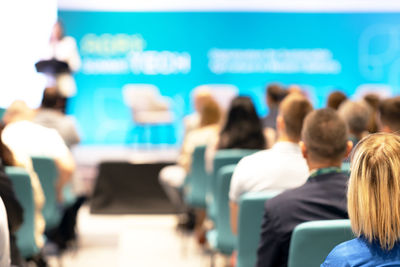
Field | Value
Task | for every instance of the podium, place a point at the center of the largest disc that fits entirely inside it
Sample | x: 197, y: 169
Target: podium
x: 52, y: 66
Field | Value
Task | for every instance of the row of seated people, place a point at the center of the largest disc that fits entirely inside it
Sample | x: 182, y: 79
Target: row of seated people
x: 305, y: 161
x: 27, y: 133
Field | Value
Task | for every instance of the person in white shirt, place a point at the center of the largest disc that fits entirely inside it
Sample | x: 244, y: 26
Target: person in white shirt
x: 172, y: 177
x: 5, y: 259
x: 25, y: 139
x: 278, y: 168
x: 62, y: 48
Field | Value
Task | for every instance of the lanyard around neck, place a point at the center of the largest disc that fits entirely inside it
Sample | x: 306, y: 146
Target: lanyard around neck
x: 325, y: 171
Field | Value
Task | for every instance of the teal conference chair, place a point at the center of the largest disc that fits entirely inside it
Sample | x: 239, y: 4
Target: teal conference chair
x: 2, y: 111
x: 24, y: 193
x: 222, y: 158
x: 46, y: 169
x: 346, y: 167
x: 251, y: 211
x: 196, y: 181
x: 221, y: 238
x: 312, y: 241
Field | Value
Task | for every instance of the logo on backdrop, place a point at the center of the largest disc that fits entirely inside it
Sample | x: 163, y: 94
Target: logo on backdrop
x: 309, y: 61
x: 124, y: 54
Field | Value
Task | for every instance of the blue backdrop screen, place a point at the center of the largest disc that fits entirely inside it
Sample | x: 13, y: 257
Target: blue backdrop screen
x: 177, y: 51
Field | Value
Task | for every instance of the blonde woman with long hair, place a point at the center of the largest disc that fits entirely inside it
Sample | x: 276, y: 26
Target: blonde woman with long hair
x: 373, y: 205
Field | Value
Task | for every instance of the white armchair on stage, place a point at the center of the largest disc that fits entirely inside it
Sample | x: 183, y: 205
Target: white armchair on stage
x: 149, y: 108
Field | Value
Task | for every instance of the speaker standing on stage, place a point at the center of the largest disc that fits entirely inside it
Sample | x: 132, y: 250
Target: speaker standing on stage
x: 64, y: 49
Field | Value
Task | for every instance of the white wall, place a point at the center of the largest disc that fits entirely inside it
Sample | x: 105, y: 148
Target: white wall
x: 233, y: 5
x: 25, y: 28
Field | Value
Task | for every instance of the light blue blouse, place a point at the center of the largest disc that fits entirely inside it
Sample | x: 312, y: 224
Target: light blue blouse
x: 359, y: 252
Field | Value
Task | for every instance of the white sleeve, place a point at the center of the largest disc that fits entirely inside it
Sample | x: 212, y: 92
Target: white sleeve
x: 239, y: 175
x: 5, y: 259
x: 56, y: 146
x: 73, y: 60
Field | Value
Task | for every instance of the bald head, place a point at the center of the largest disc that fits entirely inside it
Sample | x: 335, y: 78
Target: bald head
x: 292, y: 111
x: 17, y: 111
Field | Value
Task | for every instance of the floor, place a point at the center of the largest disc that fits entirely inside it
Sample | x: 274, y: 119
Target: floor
x: 133, y: 240
x: 128, y: 240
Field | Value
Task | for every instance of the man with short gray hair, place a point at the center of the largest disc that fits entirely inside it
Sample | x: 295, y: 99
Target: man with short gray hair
x: 356, y: 115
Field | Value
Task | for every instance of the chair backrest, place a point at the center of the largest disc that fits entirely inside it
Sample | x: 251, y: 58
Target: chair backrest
x: 222, y: 158
x: 196, y: 181
x: 312, y: 241
x: 251, y: 211
x: 46, y: 169
x: 23, y: 189
x: 346, y: 166
x: 222, y: 93
x: 226, y: 241
x: 2, y: 111
x: 140, y: 96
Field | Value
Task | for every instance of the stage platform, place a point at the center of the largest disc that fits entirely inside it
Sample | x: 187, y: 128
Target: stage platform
x: 123, y: 180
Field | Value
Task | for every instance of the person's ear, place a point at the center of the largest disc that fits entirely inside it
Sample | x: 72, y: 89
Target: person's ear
x: 303, y: 149
x: 349, y: 147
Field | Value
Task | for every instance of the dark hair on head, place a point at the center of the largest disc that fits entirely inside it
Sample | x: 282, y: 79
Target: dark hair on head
x: 335, y: 99
x: 276, y: 93
x: 242, y: 127
x: 356, y: 115
x: 51, y: 98
x: 325, y: 135
x: 373, y: 102
x: 390, y: 113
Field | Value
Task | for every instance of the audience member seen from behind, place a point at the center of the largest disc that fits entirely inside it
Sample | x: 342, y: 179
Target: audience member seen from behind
x: 26, y: 139
x: 323, y: 197
x: 172, y: 177
x: 356, y: 116
x: 242, y: 129
x: 373, y: 205
x: 192, y: 121
x: 335, y: 99
x: 13, y: 207
x: 275, y: 94
x: 49, y: 115
x: 389, y: 111
x: 269, y: 169
x: 19, y: 158
x: 373, y: 102
x: 5, y: 259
